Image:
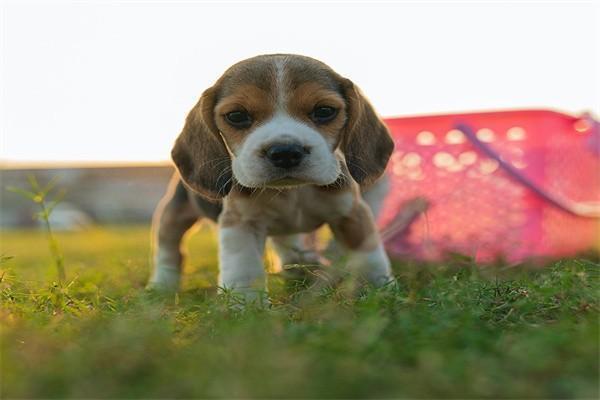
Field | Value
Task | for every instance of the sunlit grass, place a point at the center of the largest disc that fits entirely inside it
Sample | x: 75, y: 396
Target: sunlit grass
x: 446, y: 330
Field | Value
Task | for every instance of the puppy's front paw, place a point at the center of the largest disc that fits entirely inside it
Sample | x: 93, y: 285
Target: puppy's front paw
x: 374, y: 266
x: 164, y: 279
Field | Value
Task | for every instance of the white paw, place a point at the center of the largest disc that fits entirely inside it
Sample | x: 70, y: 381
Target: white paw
x: 165, y: 279
x: 373, y: 265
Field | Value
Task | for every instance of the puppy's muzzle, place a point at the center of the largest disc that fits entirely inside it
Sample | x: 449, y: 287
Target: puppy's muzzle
x: 286, y: 155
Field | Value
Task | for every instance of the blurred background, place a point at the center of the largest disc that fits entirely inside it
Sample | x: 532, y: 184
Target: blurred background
x: 94, y: 93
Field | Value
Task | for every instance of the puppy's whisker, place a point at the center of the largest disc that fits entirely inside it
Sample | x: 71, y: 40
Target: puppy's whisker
x: 222, y: 188
x: 223, y: 173
x: 229, y: 180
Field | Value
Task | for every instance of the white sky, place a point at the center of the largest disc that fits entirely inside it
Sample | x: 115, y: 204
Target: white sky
x: 113, y: 80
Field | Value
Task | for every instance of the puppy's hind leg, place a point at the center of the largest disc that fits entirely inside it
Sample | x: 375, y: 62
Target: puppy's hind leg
x: 375, y: 195
x: 174, y: 216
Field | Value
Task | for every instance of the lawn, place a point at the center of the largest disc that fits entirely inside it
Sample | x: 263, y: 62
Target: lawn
x: 453, y: 329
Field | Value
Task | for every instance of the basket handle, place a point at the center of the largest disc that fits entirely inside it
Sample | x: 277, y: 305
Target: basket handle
x: 580, y: 209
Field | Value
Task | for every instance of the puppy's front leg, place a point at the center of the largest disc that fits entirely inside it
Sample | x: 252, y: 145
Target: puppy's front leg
x: 358, y: 233
x: 241, y: 250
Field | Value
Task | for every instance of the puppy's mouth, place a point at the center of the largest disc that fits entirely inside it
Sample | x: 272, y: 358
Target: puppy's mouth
x: 279, y: 178
x: 286, y: 181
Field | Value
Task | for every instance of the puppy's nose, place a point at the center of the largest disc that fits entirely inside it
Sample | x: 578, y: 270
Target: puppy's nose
x: 285, y: 155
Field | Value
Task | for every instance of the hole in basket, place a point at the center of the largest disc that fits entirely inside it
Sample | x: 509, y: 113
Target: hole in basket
x: 442, y: 159
x: 486, y: 135
x: 455, y: 136
x: 467, y: 158
x: 515, y: 133
x: 411, y: 160
x: 488, y: 166
x: 425, y: 138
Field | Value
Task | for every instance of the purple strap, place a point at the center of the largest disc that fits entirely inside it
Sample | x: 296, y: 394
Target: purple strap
x: 580, y: 209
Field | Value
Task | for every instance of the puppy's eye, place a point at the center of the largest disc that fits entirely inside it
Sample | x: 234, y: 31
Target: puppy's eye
x: 238, y: 119
x: 323, y: 114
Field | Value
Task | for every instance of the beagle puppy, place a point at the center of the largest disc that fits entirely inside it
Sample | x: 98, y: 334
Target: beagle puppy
x: 279, y: 146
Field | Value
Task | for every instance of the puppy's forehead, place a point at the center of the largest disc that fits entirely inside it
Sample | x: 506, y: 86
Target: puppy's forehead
x: 298, y: 70
x: 256, y: 71
x: 276, y: 73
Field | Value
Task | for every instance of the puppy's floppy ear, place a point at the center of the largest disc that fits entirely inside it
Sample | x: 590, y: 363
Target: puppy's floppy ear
x: 200, y: 153
x: 366, y: 141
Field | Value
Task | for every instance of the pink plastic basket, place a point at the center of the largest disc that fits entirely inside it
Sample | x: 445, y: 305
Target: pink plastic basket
x: 510, y: 184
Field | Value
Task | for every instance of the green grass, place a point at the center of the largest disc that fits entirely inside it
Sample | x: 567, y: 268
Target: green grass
x: 446, y: 330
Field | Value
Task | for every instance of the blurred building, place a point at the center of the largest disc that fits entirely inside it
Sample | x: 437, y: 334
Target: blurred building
x: 105, y: 195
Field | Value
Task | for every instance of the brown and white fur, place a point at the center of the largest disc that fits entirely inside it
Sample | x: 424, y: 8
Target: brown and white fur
x: 232, y: 174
